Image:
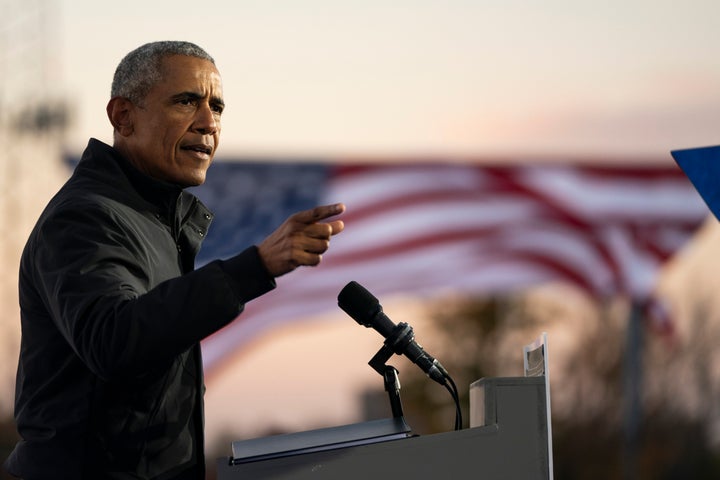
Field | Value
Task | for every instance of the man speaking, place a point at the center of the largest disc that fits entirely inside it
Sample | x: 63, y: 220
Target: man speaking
x: 109, y: 382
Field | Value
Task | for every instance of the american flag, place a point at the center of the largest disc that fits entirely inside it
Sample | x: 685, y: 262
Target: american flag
x: 424, y: 228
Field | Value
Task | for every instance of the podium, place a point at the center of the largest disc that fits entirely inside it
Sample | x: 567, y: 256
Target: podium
x: 511, y: 440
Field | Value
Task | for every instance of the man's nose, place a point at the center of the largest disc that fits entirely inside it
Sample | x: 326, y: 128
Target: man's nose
x: 207, y: 121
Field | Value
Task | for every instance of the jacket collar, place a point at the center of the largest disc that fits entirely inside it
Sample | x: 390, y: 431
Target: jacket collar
x: 161, y: 197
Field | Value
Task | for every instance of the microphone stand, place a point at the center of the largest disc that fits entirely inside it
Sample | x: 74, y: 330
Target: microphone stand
x: 390, y: 377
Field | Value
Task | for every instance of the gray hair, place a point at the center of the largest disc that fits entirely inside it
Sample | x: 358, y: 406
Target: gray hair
x: 141, y: 69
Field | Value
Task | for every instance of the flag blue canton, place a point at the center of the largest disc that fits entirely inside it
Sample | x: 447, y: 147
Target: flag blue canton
x: 250, y: 200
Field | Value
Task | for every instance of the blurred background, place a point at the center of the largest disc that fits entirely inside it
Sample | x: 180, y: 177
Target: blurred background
x: 574, y: 104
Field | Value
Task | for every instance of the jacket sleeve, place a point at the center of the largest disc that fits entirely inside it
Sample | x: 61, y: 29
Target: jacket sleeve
x: 95, y: 275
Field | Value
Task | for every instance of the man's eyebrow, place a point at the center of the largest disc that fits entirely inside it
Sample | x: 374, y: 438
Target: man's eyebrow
x: 217, y: 101
x: 186, y: 96
x: 189, y: 95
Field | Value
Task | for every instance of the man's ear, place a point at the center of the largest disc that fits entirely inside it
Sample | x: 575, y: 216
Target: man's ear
x: 119, y: 111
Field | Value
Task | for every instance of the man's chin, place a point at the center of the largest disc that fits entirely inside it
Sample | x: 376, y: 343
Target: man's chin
x: 191, y: 178
x: 194, y: 181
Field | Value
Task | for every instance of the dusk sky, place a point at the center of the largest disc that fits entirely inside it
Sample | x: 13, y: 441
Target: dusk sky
x: 421, y: 77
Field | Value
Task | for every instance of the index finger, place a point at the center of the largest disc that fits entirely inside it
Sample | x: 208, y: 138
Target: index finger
x: 319, y: 213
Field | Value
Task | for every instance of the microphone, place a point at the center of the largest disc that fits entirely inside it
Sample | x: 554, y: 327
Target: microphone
x: 365, y: 309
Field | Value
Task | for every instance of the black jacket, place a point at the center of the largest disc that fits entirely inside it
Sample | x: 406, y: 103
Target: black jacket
x: 109, y: 382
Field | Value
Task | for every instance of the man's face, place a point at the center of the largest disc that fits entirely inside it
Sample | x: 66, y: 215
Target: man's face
x: 176, y: 127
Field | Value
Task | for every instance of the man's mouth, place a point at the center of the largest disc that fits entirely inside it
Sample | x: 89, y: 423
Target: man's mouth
x: 200, y: 148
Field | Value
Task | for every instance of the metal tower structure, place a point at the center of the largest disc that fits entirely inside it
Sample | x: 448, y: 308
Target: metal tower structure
x: 33, y: 117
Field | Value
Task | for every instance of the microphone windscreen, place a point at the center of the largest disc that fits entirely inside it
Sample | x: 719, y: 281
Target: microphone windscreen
x: 357, y: 302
